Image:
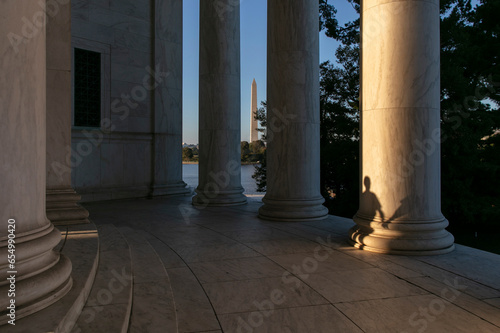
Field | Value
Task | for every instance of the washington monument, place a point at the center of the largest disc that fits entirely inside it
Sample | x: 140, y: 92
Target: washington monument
x: 254, y: 134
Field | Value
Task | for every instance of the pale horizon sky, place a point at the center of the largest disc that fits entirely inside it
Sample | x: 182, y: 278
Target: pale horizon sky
x: 253, y: 59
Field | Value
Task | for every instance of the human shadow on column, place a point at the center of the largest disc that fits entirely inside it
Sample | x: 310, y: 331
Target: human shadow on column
x: 369, y: 206
x: 370, y: 200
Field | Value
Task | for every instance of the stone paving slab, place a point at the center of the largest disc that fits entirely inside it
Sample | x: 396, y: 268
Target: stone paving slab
x: 80, y: 244
x: 422, y: 313
x: 194, y: 310
x: 238, y: 274
x: 317, y: 319
x: 153, y: 306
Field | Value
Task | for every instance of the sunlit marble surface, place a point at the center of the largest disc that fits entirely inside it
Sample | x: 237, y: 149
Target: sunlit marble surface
x: 400, y: 171
x: 230, y: 271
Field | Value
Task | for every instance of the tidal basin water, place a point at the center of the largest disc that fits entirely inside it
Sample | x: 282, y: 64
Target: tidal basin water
x: 190, y: 176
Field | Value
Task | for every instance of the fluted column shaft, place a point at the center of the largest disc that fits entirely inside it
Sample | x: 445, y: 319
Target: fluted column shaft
x: 42, y: 275
x: 167, y: 156
x: 62, y: 207
x: 293, y: 181
x: 400, y: 202
x: 219, y: 105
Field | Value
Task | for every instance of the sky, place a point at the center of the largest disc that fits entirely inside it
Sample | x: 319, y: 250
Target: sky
x: 253, y: 19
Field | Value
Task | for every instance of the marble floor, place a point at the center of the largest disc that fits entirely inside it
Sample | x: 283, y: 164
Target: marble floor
x: 222, y: 269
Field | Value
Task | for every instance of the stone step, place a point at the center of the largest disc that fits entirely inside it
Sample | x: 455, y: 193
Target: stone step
x: 194, y: 310
x: 153, y: 308
x: 110, y: 301
x: 79, y: 244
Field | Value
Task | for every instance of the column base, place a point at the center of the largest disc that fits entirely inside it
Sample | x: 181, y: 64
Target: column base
x: 179, y: 188
x: 293, y: 210
x: 42, y: 276
x: 63, y: 208
x: 221, y: 198
x: 402, y: 237
x: 41, y: 281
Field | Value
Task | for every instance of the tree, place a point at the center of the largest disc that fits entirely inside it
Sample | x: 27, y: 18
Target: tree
x: 187, y: 154
x: 469, y: 106
x: 339, y: 133
x: 245, y: 151
x: 257, y: 147
x: 260, y: 169
x: 339, y: 116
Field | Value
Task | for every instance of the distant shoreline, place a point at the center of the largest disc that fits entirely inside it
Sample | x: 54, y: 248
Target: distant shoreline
x: 190, y: 175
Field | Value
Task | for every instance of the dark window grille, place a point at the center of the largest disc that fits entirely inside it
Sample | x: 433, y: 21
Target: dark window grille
x: 87, y: 96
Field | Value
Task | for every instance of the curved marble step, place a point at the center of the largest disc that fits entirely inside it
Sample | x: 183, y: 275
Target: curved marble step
x: 80, y: 244
x: 191, y: 302
x: 153, y: 308
x: 109, y: 304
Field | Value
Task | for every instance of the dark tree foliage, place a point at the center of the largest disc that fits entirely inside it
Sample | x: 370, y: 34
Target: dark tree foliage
x: 252, y: 152
x: 245, y: 151
x: 257, y: 147
x: 339, y: 115
x: 260, y: 174
x: 327, y: 18
x: 260, y: 169
x: 347, y: 34
x: 187, y: 154
x: 470, y: 83
x: 339, y: 136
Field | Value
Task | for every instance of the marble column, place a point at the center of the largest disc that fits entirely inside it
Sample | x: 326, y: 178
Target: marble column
x: 293, y: 183
x: 42, y: 276
x: 167, y: 152
x: 62, y: 207
x: 400, y: 200
x: 219, y: 126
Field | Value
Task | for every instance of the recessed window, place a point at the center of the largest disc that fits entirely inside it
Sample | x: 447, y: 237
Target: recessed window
x: 87, y: 93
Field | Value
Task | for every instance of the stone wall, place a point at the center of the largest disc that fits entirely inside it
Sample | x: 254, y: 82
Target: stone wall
x: 115, y: 161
